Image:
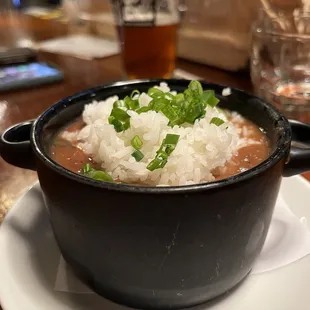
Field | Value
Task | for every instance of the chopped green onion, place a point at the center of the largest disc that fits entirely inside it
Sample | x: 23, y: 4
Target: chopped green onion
x: 119, y: 104
x: 159, y: 104
x: 138, y: 155
x: 119, y: 117
x: 186, y: 107
x: 119, y: 114
x: 208, y: 98
x: 132, y: 104
x: 87, y: 167
x: 169, y: 112
x: 217, y: 121
x: 158, y: 162
x: 194, y: 112
x: 118, y: 126
x: 143, y: 109
x: 188, y: 94
x: 155, y: 93
x: 134, y: 92
x: 126, y: 124
x: 196, y: 88
x: 170, y: 143
x: 171, y: 139
x: 127, y: 100
x: 99, y: 175
x: 178, y: 99
x: 154, y: 164
x: 151, y: 105
x: 169, y: 96
x: 167, y: 147
x: 136, y: 142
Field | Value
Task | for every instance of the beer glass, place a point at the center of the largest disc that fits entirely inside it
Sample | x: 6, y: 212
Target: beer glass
x: 147, y: 31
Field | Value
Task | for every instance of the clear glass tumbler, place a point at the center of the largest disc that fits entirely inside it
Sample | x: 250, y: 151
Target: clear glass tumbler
x: 280, y: 62
x: 147, y: 31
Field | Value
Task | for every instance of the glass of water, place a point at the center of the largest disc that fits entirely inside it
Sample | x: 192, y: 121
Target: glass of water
x: 280, y: 62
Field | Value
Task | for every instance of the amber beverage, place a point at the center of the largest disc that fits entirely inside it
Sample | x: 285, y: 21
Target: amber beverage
x: 147, y: 51
x: 147, y: 32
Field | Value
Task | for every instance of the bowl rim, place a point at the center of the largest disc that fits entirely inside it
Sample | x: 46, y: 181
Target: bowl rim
x: 280, y: 152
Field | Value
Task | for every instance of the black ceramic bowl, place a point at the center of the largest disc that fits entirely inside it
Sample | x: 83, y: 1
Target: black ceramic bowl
x: 166, y: 247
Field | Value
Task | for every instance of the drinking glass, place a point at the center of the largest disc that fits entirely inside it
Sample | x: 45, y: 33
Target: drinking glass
x: 147, y: 31
x: 280, y: 62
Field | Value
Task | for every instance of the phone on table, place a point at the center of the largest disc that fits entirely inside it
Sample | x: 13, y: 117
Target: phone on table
x: 30, y: 74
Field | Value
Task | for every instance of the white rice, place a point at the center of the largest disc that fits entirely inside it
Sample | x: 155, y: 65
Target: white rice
x: 226, y: 92
x: 202, y: 147
x: 70, y: 135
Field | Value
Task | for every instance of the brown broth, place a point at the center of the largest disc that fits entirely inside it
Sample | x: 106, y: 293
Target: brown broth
x: 66, y: 153
x: 247, y: 157
x: 72, y: 158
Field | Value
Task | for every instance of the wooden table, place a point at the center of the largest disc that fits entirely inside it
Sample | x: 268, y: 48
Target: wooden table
x: 79, y: 74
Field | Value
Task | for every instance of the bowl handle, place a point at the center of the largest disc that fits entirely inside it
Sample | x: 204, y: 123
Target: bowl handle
x: 299, y: 158
x: 15, y: 147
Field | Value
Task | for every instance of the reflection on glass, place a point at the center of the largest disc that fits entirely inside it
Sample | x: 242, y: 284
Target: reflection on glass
x: 280, y: 64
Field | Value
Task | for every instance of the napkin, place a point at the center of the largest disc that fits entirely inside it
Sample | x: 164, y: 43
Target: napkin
x: 288, y: 240
x: 84, y: 46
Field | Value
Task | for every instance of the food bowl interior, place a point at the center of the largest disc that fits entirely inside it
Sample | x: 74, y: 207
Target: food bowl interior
x: 254, y: 109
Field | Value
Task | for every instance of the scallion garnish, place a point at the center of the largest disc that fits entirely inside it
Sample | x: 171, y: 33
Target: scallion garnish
x: 118, y: 125
x: 178, y: 99
x: 158, y: 162
x: 143, y: 109
x: 136, y: 142
x: 167, y: 147
x: 217, y: 121
x: 208, y: 98
x: 186, y: 107
x: 120, y: 114
x: 119, y: 104
x: 119, y: 119
x: 170, y: 113
x: 138, y: 155
x: 196, y: 88
x: 132, y: 104
x: 155, y: 93
x: 134, y: 93
x: 171, y: 139
x: 169, y: 96
x: 159, y: 104
x: 87, y: 167
x: 99, y: 175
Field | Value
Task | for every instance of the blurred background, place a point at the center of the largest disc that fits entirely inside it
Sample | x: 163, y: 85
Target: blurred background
x: 261, y: 46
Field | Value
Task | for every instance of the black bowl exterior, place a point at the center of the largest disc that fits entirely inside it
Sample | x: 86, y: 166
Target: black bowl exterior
x: 159, y: 248
x: 161, y: 251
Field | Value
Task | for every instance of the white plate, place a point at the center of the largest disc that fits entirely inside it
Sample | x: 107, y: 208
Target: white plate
x: 29, y: 259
